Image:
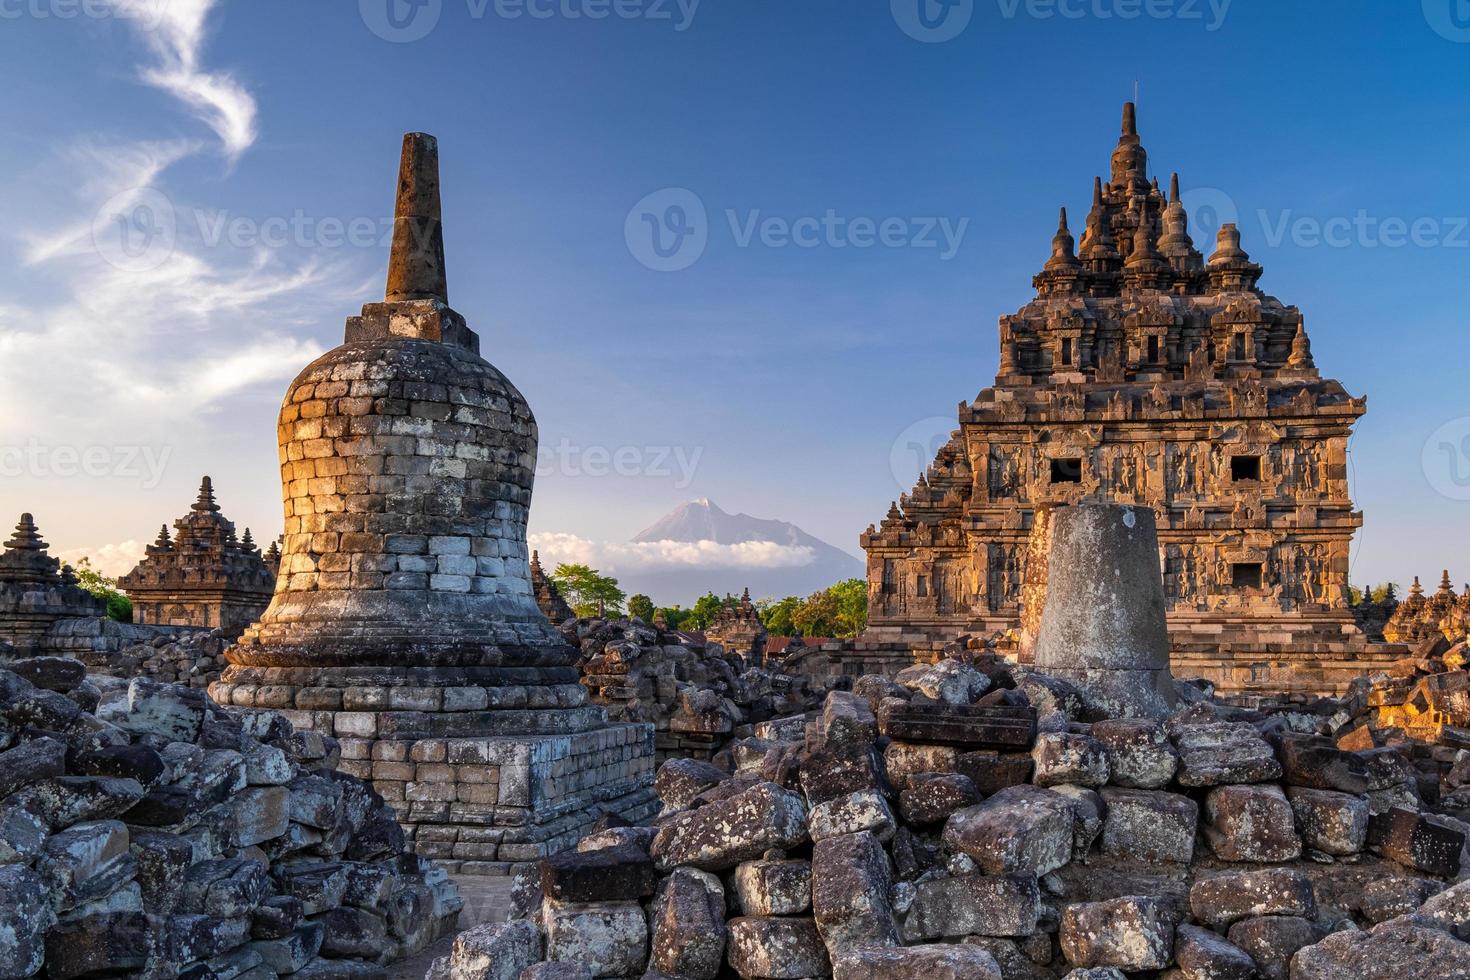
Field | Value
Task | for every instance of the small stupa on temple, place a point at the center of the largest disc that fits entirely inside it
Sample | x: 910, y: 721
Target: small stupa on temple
x: 405, y: 620
x: 202, y: 575
x: 548, y: 596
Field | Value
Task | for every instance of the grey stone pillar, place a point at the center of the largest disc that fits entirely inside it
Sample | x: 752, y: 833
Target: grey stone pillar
x: 1103, y: 627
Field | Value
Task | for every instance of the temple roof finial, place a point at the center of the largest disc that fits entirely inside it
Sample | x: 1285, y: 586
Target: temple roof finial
x: 26, y: 537
x: 206, y: 502
x: 1130, y: 121
x: 416, y: 268
x: 1174, y: 188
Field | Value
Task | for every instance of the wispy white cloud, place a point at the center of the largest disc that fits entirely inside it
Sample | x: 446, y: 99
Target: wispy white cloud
x: 557, y: 547
x: 176, y: 31
x: 132, y: 328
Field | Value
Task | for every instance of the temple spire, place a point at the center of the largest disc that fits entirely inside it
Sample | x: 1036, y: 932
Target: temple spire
x: 26, y: 537
x: 1130, y: 122
x: 206, y: 502
x: 416, y: 268
x: 1063, y: 255
x: 1174, y: 197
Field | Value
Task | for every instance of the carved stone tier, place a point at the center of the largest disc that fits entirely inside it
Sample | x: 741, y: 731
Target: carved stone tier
x: 404, y: 621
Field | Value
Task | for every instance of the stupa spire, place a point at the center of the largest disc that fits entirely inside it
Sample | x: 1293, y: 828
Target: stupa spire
x: 416, y: 267
x: 206, y: 502
x: 1130, y: 122
x: 26, y: 537
x: 1063, y: 245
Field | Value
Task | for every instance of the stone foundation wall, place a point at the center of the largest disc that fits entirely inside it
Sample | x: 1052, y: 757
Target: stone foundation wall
x: 483, y: 805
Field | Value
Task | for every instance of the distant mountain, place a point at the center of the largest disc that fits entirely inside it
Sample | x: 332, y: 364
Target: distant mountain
x: 785, y: 569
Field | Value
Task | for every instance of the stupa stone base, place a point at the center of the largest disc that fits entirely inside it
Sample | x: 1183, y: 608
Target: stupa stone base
x: 471, y: 792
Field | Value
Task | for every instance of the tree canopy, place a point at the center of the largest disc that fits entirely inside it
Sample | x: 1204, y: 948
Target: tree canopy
x: 841, y: 610
x: 641, y: 606
x: 119, y: 606
x: 588, y: 591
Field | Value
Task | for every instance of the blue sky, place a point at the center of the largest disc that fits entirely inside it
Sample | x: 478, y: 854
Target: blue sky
x: 779, y: 379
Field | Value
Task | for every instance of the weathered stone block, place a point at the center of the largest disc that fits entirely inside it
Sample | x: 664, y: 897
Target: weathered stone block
x: 1063, y: 758
x: 766, y: 888
x: 1149, y: 825
x: 1391, y: 954
x: 689, y: 926
x: 930, y: 962
x: 609, y: 938
x: 1251, y: 823
x: 1018, y: 829
x: 1422, y: 841
x: 1223, y: 753
x: 1203, y: 955
x: 1271, y: 941
x: 851, y: 879
x: 1331, y: 822
x: 776, y: 949
x: 1130, y: 933
x: 978, y: 905
x: 617, y: 874
x: 932, y: 797
x: 864, y: 810
x: 719, y: 836
x: 495, y: 951
x: 1220, y: 900
x: 1140, y: 755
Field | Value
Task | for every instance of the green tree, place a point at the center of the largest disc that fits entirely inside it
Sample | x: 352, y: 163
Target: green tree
x: 588, y: 591
x: 852, y: 606
x: 119, y: 606
x: 676, y: 616
x: 706, y: 608
x: 777, y: 616
x: 818, y: 615
x: 641, y: 606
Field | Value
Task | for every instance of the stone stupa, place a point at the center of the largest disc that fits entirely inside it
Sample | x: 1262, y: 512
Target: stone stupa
x: 404, y: 620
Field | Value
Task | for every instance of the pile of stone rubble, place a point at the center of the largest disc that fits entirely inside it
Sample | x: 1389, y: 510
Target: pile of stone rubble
x: 976, y: 822
x: 193, y: 658
x: 147, y: 832
x: 697, y: 695
x: 1424, y: 698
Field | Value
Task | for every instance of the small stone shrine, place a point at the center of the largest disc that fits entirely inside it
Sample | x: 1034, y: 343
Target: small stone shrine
x: 738, y: 628
x: 405, y: 621
x: 37, y: 592
x: 203, y: 576
x: 548, y: 596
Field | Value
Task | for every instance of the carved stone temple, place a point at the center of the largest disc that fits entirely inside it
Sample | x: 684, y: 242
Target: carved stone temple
x: 38, y: 594
x: 1144, y: 373
x: 404, y: 621
x: 201, y: 576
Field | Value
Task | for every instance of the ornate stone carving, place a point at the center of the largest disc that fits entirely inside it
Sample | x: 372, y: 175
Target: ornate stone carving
x: 1150, y: 377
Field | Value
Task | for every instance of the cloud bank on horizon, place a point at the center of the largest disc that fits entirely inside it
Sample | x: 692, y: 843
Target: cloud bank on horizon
x: 628, y: 557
